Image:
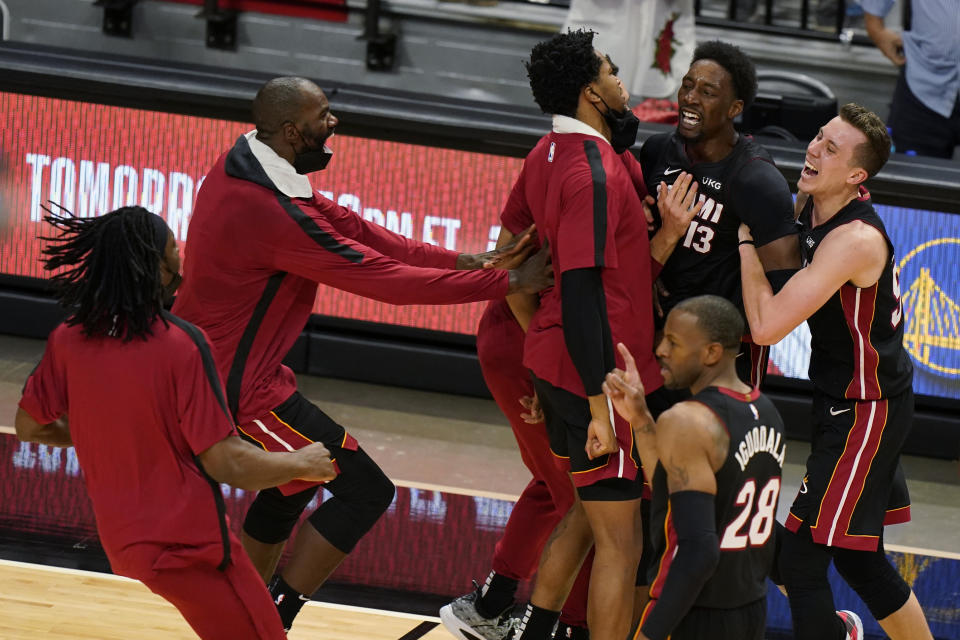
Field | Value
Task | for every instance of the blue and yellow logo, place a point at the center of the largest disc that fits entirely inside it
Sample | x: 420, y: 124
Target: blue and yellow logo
x: 929, y: 278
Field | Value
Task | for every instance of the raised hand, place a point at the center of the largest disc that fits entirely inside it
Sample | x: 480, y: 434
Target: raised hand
x: 678, y: 205
x: 625, y: 390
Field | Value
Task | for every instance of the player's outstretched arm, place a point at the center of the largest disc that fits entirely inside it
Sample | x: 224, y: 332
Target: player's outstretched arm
x: 854, y: 252
x: 242, y: 465
x: 509, y: 253
x: 692, y: 446
x: 55, y: 434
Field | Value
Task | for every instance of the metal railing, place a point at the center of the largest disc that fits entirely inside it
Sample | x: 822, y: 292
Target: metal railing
x: 829, y: 20
x: 819, y: 19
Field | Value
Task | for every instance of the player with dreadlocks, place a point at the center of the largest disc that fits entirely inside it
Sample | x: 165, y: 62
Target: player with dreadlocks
x: 148, y: 420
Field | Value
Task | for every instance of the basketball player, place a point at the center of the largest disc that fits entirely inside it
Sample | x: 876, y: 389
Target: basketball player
x: 149, y: 422
x: 849, y: 294
x: 578, y: 187
x: 548, y: 496
x: 543, y: 502
x: 260, y: 242
x: 738, y: 183
x: 718, y: 458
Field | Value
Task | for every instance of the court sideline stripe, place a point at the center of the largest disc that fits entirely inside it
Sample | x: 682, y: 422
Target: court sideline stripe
x: 420, y: 630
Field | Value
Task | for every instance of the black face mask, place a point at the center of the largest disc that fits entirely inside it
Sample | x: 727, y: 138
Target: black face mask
x: 315, y: 158
x: 623, y: 127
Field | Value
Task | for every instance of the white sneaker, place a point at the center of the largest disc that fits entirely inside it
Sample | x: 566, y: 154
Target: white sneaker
x: 853, y: 624
x: 462, y: 619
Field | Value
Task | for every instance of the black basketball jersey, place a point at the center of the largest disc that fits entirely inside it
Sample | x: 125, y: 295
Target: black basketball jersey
x: 743, y: 187
x: 856, y: 340
x: 748, y: 487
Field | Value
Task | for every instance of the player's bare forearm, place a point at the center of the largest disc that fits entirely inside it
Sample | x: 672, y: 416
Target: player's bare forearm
x: 645, y: 437
x: 55, y: 434
x: 888, y: 41
x: 523, y: 306
x: 780, y: 254
x: 757, y: 292
x: 662, y: 245
x: 598, y: 407
x: 241, y: 464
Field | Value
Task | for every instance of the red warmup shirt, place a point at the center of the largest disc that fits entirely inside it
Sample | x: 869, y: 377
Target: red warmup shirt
x: 584, y: 199
x: 254, y: 256
x: 139, y: 412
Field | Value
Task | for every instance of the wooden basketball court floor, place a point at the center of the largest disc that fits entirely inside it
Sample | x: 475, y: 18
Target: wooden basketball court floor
x: 421, y: 439
x: 67, y: 604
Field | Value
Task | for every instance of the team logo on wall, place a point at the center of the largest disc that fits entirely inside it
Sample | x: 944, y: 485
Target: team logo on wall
x: 931, y: 305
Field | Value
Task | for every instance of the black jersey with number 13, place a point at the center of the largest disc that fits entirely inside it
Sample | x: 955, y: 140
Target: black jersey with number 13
x: 748, y: 487
x: 743, y: 187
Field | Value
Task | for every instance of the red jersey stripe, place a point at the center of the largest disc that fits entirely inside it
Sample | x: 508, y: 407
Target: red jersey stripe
x: 870, y: 448
x: 656, y: 587
x: 846, y: 484
x: 859, y: 306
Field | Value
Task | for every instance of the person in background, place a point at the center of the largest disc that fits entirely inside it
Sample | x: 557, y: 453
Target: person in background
x: 925, y: 109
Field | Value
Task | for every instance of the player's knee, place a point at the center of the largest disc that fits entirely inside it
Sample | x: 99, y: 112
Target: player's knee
x: 381, y: 495
x: 361, y: 495
x: 272, y: 515
x: 871, y: 575
x: 372, y: 492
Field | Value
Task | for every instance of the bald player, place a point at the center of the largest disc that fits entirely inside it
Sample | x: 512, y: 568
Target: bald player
x: 260, y: 242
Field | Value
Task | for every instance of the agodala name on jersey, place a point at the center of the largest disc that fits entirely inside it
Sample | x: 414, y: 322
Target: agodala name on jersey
x: 761, y: 439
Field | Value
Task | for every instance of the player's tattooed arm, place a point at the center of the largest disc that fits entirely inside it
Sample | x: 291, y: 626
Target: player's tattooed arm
x: 678, y: 474
x: 687, y: 446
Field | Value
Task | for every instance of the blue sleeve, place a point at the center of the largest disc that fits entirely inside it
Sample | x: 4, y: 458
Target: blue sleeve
x: 877, y: 7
